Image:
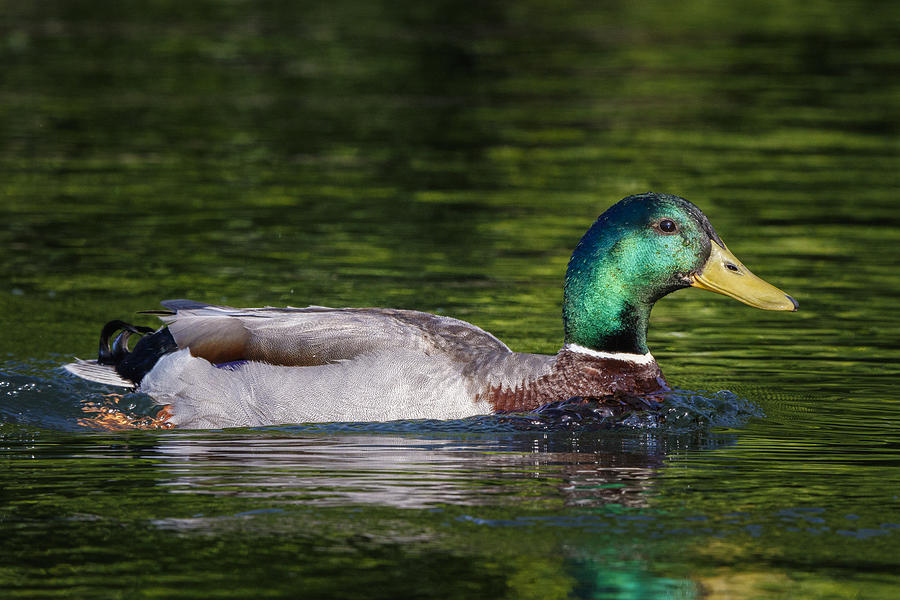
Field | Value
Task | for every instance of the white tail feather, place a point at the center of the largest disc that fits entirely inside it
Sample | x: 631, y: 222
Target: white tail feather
x: 90, y: 370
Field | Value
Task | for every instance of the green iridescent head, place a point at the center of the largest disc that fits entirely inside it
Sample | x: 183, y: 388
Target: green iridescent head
x: 639, y: 250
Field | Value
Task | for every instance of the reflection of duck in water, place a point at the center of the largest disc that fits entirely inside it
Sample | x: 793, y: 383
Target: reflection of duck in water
x: 215, y: 366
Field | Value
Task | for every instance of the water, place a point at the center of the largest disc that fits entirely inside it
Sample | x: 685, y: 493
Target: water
x: 447, y: 158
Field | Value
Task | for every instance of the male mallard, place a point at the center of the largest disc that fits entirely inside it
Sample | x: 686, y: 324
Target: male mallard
x: 215, y: 366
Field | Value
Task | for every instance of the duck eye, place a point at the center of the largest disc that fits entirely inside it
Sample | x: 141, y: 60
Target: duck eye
x: 667, y: 226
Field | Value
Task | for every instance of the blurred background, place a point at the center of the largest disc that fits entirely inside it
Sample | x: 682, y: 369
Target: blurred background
x: 444, y: 156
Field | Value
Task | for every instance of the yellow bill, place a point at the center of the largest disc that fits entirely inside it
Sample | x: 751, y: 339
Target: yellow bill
x: 725, y: 274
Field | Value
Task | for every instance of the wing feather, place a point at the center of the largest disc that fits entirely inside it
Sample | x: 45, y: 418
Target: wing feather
x: 318, y: 335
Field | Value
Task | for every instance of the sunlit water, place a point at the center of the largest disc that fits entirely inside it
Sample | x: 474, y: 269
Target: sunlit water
x: 447, y: 159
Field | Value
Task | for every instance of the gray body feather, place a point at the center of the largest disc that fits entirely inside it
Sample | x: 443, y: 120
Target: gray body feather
x: 319, y: 364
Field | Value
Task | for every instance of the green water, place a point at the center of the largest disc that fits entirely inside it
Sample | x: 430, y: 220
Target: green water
x: 447, y: 157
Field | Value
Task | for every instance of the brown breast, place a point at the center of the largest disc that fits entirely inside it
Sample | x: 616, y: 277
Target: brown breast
x: 577, y: 374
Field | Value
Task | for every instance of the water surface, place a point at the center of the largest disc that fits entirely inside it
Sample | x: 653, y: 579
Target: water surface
x: 447, y: 158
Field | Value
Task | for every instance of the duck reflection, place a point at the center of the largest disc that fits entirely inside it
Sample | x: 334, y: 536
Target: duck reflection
x: 404, y: 471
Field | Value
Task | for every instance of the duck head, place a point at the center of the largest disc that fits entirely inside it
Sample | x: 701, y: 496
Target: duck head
x: 639, y: 250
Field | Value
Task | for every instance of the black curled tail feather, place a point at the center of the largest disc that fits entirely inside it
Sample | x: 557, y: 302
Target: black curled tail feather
x: 114, y: 355
x: 134, y: 364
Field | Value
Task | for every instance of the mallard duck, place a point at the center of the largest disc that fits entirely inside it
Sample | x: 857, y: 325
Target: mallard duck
x: 216, y: 366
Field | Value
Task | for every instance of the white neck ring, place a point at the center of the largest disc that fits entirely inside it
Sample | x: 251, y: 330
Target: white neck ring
x: 638, y: 359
